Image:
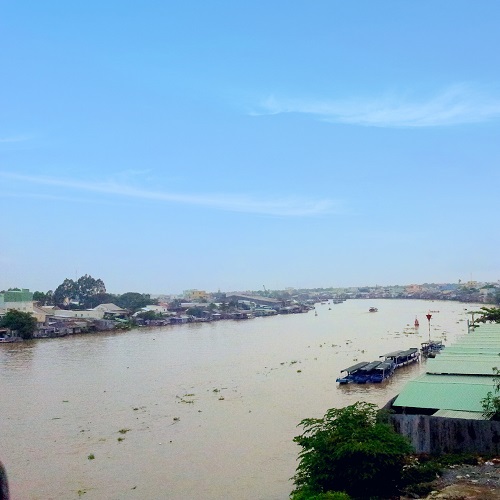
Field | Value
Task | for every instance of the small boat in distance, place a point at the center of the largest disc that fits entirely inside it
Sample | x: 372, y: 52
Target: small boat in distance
x: 373, y: 310
x: 417, y: 324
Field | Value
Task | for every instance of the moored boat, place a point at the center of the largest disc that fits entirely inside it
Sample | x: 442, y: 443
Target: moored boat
x: 350, y: 372
x: 402, y: 358
x: 382, y: 371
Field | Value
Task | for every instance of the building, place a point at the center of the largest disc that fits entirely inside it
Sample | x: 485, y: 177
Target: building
x: 195, y: 295
x: 20, y: 300
x: 441, y: 410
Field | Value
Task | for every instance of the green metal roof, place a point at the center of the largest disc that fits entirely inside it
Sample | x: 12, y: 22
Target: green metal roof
x: 469, y: 415
x: 446, y: 392
x: 465, y: 366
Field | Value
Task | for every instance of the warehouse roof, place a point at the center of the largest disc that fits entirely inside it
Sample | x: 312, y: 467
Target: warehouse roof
x: 446, y: 392
x: 460, y: 365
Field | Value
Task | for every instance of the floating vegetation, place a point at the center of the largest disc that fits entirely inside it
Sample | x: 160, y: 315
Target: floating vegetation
x: 91, y: 456
x: 135, y: 409
x: 221, y: 398
x: 299, y: 371
x: 120, y: 439
x: 176, y: 419
x: 81, y: 492
x: 216, y: 390
x: 293, y: 362
x: 123, y: 431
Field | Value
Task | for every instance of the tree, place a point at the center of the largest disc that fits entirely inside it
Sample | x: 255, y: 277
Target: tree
x: 44, y: 299
x: 349, y: 450
x: 88, y: 290
x: 21, y: 322
x: 65, y: 292
x: 491, y: 314
x: 134, y: 301
x: 491, y: 403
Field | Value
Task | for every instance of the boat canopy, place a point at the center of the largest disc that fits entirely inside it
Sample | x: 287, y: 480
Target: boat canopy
x: 370, y: 366
x: 409, y: 352
x: 354, y: 367
x: 385, y: 365
x: 391, y: 354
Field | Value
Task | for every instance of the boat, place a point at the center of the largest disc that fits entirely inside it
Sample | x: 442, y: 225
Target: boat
x: 350, y: 372
x: 431, y: 348
x: 403, y: 358
x: 373, y: 310
x: 382, y: 371
x: 417, y: 324
x: 364, y: 374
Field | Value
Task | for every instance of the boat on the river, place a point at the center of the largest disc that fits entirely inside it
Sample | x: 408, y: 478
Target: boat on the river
x: 373, y: 310
x: 403, y: 358
x: 431, y: 348
x: 382, y: 371
x: 350, y: 372
x: 417, y: 324
x: 364, y: 374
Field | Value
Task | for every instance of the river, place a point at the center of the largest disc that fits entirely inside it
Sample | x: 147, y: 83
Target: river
x: 206, y: 410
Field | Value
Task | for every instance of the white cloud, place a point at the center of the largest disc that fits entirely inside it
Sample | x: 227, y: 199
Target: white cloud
x: 288, y: 206
x: 459, y: 104
x: 13, y: 139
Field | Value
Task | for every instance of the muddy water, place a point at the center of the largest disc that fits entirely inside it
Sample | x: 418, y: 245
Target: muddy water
x: 206, y: 410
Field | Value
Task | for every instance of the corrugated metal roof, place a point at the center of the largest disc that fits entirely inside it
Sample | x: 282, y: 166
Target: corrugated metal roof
x: 469, y: 415
x: 454, y: 366
x: 446, y: 392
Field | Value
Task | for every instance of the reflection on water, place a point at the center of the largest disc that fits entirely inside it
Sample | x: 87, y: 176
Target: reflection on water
x: 207, y: 410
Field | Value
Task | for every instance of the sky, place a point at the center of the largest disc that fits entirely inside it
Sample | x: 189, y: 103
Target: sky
x: 165, y: 146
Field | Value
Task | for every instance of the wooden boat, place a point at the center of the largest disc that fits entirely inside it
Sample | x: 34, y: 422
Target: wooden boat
x: 417, y: 324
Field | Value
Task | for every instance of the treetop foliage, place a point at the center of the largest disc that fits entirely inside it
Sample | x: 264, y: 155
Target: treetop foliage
x: 23, y: 323
x: 488, y: 314
x: 349, y: 450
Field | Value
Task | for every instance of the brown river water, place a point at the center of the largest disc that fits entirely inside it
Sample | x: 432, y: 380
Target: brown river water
x: 207, y: 410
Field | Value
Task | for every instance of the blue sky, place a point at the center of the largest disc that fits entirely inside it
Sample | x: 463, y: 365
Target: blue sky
x: 162, y: 146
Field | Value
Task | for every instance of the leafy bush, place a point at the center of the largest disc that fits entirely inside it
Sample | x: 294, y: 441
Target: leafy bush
x: 329, y: 495
x: 349, y: 450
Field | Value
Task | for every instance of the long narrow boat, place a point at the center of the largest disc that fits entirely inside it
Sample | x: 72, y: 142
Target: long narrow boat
x: 350, y: 372
x: 402, y: 358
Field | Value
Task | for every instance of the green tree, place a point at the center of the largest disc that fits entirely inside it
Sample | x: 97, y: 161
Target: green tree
x: 88, y: 291
x: 491, y: 403
x: 21, y: 322
x: 348, y: 450
x: 65, y: 292
x: 488, y: 314
x: 44, y: 299
x: 134, y: 301
x: 197, y: 312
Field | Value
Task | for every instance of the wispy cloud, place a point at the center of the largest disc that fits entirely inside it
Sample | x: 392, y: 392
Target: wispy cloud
x: 458, y: 104
x: 19, y: 138
x: 287, y: 207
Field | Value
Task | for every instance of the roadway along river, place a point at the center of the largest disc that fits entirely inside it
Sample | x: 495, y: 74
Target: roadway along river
x: 206, y: 410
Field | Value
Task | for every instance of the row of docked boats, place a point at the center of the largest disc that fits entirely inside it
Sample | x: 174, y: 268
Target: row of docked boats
x: 377, y: 371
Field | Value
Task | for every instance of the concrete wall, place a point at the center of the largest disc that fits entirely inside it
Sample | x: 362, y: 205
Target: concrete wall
x: 448, y: 435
